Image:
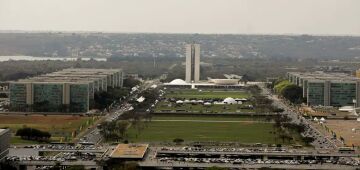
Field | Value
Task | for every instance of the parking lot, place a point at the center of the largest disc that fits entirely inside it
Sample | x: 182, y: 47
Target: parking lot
x: 250, y: 156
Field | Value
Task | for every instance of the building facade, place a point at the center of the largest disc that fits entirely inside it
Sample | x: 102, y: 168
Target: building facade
x: 4, y: 142
x: 192, y: 73
x: 69, y: 90
x: 328, y: 89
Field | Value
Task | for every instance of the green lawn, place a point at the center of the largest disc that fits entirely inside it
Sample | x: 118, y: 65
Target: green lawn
x: 205, y: 94
x: 242, y: 132
x: 217, y: 118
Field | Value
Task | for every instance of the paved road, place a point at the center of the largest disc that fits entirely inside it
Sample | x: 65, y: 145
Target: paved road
x: 93, y: 134
x: 320, y: 141
x: 159, y: 164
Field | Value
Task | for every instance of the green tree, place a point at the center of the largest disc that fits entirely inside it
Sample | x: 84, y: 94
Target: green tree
x: 131, y: 82
x: 33, y: 134
x: 178, y: 141
x: 121, y: 127
x: 308, y: 140
x: 293, y: 93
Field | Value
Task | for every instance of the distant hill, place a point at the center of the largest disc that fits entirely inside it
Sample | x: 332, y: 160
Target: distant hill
x: 171, y: 45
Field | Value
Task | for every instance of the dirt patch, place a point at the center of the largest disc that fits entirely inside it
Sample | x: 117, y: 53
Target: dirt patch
x: 37, y: 119
x: 345, y: 128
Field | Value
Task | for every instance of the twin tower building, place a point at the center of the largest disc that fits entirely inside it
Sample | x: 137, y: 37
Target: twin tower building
x: 192, y: 73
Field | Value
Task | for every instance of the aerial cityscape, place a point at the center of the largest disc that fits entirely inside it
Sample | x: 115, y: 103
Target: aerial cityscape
x: 131, y: 89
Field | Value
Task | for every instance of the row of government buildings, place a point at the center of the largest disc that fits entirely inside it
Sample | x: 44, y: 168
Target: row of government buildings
x: 328, y: 89
x: 68, y: 90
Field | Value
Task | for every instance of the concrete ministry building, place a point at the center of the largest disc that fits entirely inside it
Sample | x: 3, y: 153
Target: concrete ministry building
x: 4, y: 142
x: 328, y: 89
x: 69, y: 90
x: 192, y: 73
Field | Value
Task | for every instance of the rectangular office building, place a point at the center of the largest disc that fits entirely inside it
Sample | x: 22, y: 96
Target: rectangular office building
x: 327, y: 89
x: 69, y: 90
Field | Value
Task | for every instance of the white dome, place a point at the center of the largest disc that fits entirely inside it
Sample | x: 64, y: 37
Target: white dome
x: 178, y: 81
x: 230, y: 100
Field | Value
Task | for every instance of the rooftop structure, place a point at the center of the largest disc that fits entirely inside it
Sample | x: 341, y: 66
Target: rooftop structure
x: 211, y: 83
x: 327, y: 89
x: 129, y: 151
x: 68, y: 90
x: 4, y: 142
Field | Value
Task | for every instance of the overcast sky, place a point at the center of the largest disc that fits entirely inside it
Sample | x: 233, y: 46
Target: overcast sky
x: 184, y: 16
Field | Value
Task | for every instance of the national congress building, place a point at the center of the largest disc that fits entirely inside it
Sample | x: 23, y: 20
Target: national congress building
x: 192, y: 74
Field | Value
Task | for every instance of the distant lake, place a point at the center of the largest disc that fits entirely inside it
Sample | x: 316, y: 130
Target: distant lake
x: 31, y: 58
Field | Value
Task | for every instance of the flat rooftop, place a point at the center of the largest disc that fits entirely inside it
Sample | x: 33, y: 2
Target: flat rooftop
x: 324, y: 76
x: 2, y: 131
x: 129, y: 151
x: 73, y: 75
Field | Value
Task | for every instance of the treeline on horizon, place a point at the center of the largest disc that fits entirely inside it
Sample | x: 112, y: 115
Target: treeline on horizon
x: 171, y: 45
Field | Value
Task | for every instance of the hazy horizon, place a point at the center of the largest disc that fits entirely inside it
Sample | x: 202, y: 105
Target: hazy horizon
x: 320, y: 17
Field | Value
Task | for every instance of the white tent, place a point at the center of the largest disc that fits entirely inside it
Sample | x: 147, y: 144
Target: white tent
x: 322, y: 120
x: 140, y: 99
x: 219, y: 103
x: 179, y: 102
x: 229, y: 100
x: 316, y: 119
x: 346, y: 109
x: 207, y: 104
x: 241, y: 99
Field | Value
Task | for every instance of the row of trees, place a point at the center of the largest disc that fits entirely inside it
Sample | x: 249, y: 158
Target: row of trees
x: 262, y: 103
x: 285, y: 128
x: 289, y: 91
x: 137, y: 118
x: 103, y: 99
x: 115, y: 130
x: 33, y: 134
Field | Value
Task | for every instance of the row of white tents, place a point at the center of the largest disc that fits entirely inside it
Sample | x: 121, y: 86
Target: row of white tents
x: 321, y: 120
x: 228, y: 100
